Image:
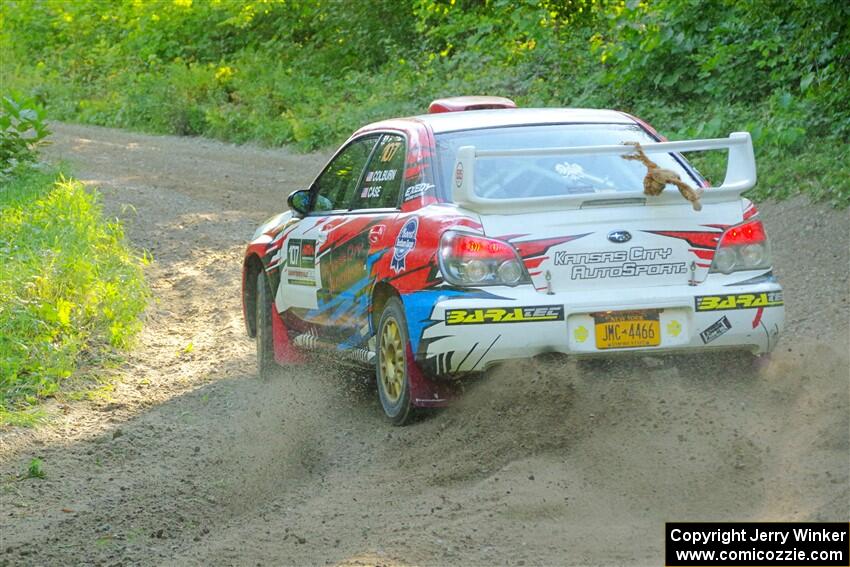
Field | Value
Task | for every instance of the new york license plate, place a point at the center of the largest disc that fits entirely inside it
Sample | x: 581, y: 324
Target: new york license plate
x: 627, y: 329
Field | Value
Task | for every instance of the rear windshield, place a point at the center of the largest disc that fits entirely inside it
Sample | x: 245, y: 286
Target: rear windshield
x: 543, y: 176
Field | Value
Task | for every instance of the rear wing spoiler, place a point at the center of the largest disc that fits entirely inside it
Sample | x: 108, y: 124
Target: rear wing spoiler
x: 740, y: 176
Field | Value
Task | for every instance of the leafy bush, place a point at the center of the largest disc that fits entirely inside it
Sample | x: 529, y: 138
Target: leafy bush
x: 22, y: 130
x: 308, y: 73
x: 69, y: 285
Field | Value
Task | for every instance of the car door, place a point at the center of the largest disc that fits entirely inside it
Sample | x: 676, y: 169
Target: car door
x: 354, y: 244
x: 302, y: 275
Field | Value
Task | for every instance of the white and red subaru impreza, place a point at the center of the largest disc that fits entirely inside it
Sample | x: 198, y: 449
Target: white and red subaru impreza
x: 439, y: 245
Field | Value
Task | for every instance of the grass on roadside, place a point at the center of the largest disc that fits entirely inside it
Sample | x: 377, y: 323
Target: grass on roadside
x: 70, y: 288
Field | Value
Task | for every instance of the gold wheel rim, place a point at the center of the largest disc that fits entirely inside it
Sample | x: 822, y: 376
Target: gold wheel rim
x: 393, y: 369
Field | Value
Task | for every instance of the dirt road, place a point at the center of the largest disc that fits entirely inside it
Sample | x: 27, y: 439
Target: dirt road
x: 193, y: 460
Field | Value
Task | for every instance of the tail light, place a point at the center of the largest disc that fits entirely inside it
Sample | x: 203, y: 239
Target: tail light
x: 472, y: 260
x: 742, y: 247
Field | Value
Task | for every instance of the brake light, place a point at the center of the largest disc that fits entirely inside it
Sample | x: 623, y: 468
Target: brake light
x: 468, y: 259
x: 471, y: 247
x: 742, y: 247
x: 749, y: 233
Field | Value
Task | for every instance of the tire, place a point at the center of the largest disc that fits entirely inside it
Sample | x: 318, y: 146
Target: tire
x: 265, y: 341
x: 391, y: 369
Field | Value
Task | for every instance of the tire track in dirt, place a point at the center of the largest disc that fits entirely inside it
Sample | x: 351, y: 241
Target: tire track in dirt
x: 193, y: 460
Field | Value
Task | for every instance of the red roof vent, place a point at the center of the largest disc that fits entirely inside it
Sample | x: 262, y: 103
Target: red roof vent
x: 460, y: 103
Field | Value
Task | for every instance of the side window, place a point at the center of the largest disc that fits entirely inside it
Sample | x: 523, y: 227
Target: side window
x: 336, y: 185
x: 384, y: 175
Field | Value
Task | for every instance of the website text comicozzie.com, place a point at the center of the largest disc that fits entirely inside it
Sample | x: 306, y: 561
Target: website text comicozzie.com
x: 757, y: 543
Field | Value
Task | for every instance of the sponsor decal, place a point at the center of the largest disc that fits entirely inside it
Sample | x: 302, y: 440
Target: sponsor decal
x: 626, y: 260
x: 571, y: 171
x: 717, y: 328
x: 376, y: 233
x: 405, y: 242
x: 308, y: 253
x: 296, y: 276
x: 344, y: 265
x: 488, y: 315
x: 674, y: 328
x: 301, y: 262
x: 381, y: 175
x: 417, y: 190
x: 581, y: 334
x: 371, y: 192
x: 459, y: 175
x: 738, y: 301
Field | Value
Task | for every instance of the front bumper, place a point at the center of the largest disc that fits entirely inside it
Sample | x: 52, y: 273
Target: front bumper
x: 458, y: 332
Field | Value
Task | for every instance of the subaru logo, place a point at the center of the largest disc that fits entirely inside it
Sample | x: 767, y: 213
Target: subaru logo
x: 619, y: 236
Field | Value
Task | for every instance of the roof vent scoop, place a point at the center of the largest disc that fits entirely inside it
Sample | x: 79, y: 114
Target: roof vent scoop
x: 461, y: 103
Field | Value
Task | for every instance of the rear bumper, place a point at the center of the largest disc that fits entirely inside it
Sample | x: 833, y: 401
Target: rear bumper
x: 455, y: 332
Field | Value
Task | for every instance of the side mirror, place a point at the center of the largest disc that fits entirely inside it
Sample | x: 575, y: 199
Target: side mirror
x: 299, y: 201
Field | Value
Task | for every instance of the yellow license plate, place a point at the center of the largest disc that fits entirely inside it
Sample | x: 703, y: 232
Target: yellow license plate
x: 627, y: 329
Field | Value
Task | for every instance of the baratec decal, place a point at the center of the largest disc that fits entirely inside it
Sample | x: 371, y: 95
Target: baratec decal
x: 738, y: 301
x: 487, y: 315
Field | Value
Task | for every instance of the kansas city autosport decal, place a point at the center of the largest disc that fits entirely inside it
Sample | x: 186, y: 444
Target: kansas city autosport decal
x: 636, y: 261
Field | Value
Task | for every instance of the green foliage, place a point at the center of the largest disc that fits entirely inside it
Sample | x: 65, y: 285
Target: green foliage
x: 730, y: 51
x: 22, y: 130
x: 309, y: 72
x: 35, y: 470
x: 69, y: 285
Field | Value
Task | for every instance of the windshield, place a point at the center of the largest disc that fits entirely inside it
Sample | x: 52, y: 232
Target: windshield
x: 544, y: 176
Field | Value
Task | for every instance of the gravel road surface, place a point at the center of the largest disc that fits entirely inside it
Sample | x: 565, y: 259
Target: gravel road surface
x: 192, y: 460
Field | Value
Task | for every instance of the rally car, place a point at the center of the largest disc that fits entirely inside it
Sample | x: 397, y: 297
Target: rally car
x: 436, y: 246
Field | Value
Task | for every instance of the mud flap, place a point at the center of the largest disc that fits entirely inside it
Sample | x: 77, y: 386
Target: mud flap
x: 425, y: 392
x: 285, y: 352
